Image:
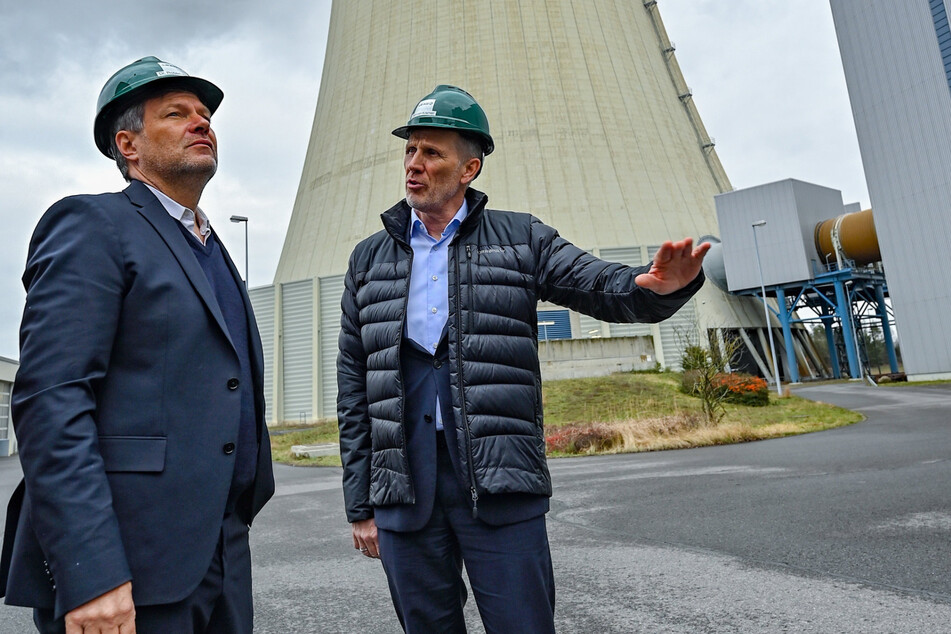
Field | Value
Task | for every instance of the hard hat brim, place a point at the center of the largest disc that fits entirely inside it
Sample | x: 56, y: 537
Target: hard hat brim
x: 488, y: 145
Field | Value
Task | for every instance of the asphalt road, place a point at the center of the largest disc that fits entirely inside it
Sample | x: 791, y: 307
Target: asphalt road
x: 839, y: 531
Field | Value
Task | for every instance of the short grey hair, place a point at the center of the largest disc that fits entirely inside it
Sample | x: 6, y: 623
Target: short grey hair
x: 470, y: 147
x: 133, y: 120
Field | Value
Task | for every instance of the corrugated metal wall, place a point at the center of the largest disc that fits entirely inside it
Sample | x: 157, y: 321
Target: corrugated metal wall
x: 331, y: 290
x: 262, y: 301
x: 631, y: 256
x: 297, y: 348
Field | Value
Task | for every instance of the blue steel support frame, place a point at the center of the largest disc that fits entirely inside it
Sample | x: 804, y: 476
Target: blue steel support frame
x: 844, y: 313
x: 831, y: 295
x: 886, y: 330
x: 792, y: 362
x: 827, y: 322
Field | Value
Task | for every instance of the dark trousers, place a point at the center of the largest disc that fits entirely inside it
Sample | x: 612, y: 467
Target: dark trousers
x: 509, y: 567
x: 221, y: 604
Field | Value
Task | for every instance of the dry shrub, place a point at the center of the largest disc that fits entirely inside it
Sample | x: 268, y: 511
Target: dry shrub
x: 622, y: 436
x: 678, y: 431
x: 584, y: 438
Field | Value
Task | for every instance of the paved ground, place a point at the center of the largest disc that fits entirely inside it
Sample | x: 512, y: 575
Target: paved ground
x: 840, y: 531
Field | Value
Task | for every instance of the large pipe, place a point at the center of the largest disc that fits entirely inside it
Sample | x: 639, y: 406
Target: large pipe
x: 851, y: 234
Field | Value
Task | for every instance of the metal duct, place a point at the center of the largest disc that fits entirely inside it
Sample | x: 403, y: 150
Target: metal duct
x: 851, y: 235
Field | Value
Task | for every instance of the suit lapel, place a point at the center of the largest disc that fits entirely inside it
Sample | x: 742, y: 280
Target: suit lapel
x: 157, y: 216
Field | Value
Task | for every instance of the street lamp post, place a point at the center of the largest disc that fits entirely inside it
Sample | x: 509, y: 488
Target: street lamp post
x: 769, y: 331
x: 545, y: 325
x: 244, y: 219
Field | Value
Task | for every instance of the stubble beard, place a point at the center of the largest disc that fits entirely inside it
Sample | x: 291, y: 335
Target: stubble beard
x: 433, y: 199
x: 196, y: 171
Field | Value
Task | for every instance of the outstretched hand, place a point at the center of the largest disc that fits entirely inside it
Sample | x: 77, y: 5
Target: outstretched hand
x: 675, y: 265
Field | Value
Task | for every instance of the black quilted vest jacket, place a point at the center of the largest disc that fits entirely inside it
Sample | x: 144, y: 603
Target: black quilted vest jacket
x: 501, y: 264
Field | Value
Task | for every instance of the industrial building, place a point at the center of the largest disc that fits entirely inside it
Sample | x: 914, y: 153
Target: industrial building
x: 810, y: 259
x: 897, y: 62
x: 596, y: 134
x: 8, y: 371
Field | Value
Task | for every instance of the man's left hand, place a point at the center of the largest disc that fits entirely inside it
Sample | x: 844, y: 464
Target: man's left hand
x: 675, y: 265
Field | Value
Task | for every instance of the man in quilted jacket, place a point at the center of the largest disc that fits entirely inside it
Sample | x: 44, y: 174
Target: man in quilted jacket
x: 439, y: 390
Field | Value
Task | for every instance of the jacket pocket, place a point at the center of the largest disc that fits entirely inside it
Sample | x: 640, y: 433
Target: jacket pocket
x: 133, y: 453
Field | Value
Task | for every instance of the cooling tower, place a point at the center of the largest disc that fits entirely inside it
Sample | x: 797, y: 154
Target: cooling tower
x: 596, y: 133
x: 595, y: 128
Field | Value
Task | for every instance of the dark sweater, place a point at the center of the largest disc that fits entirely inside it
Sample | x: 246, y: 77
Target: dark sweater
x: 225, y: 287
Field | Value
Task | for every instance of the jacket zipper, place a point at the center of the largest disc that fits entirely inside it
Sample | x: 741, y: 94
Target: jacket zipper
x: 399, y: 370
x: 462, y: 396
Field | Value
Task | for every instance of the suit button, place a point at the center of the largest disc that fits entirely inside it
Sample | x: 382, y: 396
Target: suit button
x: 428, y: 418
x: 228, y: 448
x: 233, y: 384
x: 437, y: 364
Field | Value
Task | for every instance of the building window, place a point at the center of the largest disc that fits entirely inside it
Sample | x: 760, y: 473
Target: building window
x: 554, y: 324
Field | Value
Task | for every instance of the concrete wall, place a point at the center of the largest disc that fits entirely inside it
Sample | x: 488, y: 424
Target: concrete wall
x: 575, y: 358
x: 902, y: 107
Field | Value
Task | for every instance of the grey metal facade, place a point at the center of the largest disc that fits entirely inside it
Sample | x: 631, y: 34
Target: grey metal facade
x: 901, y: 102
x: 787, y: 251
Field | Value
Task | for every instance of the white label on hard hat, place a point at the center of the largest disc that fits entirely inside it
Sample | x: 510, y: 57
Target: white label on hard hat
x: 424, y: 108
x: 169, y: 69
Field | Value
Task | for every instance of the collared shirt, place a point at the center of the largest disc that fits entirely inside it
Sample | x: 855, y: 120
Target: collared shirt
x: 428, y: 302
x: 184, y: 215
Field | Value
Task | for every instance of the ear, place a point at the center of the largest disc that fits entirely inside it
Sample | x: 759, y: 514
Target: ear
x: 125, y: 141
x: 471, y: 170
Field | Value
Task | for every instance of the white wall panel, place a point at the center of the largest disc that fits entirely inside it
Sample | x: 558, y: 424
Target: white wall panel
x: 297, y: 310
x: 262, y: 301
x: 331, y: 290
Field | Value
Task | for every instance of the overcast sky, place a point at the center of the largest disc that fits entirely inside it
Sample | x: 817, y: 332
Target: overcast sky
x: 765, y: 74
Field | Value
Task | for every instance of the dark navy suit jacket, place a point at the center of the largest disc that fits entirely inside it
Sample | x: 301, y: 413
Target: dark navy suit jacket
x: 126, y: 408
x: 424, y: 376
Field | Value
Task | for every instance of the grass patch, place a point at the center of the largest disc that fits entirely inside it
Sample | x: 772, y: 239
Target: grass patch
x: 913, y: 383
x: 283, y: 437
x: 627, y: 412
x: 624, y: 412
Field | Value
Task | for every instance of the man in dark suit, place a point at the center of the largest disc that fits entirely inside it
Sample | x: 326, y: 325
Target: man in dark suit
x: 138, y: 404
x: 439, y: 388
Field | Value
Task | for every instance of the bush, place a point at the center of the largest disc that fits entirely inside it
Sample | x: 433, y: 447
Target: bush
x: 743, y: 389
x: 695, y: 358
x: 587, y: 438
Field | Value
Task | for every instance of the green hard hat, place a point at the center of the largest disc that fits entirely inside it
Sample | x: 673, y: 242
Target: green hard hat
x: 453, y: 108
x: 128, y: 82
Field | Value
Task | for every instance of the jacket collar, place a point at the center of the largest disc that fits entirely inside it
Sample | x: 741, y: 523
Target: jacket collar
x: 396, y: 219
x: 152, y: 210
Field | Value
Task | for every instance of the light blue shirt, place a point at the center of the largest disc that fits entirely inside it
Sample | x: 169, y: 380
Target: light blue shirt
x: 428, y: 303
